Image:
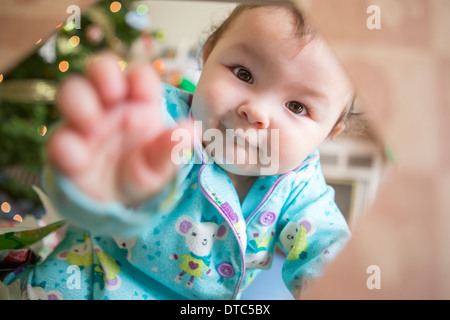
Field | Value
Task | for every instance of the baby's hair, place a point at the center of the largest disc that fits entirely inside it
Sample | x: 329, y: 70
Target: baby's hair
x: 303, y: 30
x: 354, y: 120
x: 347, y: 114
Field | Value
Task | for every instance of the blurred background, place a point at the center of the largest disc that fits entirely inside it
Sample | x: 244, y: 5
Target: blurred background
x: 170, y: 35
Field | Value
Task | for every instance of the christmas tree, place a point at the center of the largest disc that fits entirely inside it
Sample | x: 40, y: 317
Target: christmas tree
x: 27, y: 93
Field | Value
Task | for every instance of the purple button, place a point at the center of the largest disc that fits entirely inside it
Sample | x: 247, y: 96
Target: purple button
x: 226, y: 270
x: 267, y: 218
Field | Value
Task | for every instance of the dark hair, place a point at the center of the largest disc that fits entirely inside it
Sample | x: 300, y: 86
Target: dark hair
x: 303, y: 30
x: 346, y: 114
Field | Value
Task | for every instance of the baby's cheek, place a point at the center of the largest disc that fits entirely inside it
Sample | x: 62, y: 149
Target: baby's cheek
x: 290, y: 153
x: 206, y: 99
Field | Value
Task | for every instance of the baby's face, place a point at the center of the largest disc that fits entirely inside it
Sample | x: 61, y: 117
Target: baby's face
x: 260, y: 83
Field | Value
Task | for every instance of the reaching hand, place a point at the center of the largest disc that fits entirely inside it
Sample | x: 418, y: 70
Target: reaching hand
x: 113, y: 143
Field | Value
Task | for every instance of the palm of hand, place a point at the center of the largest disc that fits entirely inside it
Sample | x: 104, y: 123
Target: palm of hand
x: 113, y: 143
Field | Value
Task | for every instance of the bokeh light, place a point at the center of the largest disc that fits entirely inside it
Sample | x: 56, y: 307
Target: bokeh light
x: 74, y: 41
x: 42, y: 130
x: 63, y: 66
x: 6, y: 207
x: 70, y: 26
x: 115, y: 6
x: 141, y: 9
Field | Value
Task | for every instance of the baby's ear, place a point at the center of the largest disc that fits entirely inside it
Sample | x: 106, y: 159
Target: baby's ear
x: 184, y: 224
x: 337, y: 129
x: 222, y: 231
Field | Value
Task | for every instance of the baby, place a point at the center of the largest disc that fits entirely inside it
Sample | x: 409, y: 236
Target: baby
x: 201, y: 228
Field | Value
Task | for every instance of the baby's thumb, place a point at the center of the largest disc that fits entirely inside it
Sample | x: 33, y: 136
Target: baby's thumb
x: 171, y: 148
x: 156, y: 163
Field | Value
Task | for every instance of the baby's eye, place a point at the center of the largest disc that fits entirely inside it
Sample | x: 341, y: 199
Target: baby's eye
x: 296, y: 107
x: 243, y: 74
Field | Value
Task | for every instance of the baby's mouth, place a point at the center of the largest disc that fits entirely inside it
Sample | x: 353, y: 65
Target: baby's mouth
x: 246, y: 139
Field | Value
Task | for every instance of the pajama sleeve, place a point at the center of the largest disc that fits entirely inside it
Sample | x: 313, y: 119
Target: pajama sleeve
x: 312, y: 230
x: 96, y: 216
x: 113, y: 217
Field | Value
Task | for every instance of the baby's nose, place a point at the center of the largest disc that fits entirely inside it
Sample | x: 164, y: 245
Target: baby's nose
x: 254, y: 116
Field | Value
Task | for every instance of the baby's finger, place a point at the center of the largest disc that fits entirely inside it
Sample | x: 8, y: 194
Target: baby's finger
x: 105, y: 74
x: 144, y: 84
x: 79, y: 102
x: 67, y: 151
x: 170, y: 148
x: 149, y: 168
